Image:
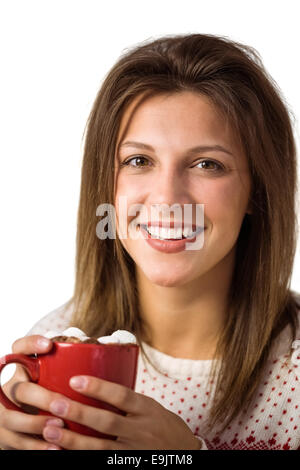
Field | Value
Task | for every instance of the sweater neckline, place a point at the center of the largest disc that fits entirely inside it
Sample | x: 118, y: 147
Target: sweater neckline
x: 180, y: 367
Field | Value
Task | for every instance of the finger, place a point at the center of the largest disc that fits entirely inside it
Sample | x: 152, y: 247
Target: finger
x: 21, y: 422
x: 98, y: 419
x: 101, y: 420
x: 73, y: 441
x: 26, y: 345
x: 18, y: 441
x: 34, y: 395
x: 34, y: 344
x: 115, y: 394
x: 10, y: 391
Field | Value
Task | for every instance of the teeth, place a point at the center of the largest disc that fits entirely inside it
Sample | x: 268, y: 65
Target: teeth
x: 188, y: 232
x: 165, y: 233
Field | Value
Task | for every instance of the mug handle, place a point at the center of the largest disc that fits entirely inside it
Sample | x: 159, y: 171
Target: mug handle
x: 30, y: 364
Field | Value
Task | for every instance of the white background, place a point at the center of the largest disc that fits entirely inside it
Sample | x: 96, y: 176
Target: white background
x: 54, y: 56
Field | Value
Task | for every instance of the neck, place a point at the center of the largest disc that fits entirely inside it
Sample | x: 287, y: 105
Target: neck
x: 186, y: 321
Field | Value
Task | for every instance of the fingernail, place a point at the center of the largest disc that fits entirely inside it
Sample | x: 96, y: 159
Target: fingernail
x: 55, y: 422
x: 78, y: 382
x: 52, y: 433
x: 58, y: 407
x: 43, y: 343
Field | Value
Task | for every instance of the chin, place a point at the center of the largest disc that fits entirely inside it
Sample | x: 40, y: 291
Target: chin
x: 164, y: 279
x: 163, y: 282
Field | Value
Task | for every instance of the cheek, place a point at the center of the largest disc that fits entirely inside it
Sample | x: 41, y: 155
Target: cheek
x: 133, y: 189
x: 224, y: 200
x: 127, y: 196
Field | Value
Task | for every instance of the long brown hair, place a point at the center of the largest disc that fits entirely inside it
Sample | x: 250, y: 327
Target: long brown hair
x: 261, y: 302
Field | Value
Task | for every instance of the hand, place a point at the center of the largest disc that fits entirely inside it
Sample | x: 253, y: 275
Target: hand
x: 147, y: 425
x: 19, y: 430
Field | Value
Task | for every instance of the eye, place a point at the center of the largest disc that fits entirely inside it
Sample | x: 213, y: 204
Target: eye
x: 142, y: 162
x: 217, y: 166
x: 139, y: 159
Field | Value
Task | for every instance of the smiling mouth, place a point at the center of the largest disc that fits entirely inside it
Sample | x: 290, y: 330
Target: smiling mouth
x: 179, y: 233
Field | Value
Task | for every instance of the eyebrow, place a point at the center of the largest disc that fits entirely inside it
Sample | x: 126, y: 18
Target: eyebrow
x: 193, y: 150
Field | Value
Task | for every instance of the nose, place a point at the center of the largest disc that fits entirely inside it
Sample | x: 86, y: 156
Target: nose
x: 169, y: 196
x: 169, y: 187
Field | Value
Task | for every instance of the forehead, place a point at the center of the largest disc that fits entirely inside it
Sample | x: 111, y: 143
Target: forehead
x: 184, y: 118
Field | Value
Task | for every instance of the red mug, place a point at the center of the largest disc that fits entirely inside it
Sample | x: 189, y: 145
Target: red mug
x: 113, y: 362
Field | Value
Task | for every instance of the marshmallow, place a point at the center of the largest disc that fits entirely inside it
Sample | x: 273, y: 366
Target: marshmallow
x: 118, y: 337
x: 76, y: 332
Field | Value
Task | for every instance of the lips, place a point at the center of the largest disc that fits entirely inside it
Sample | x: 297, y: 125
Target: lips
x: 167, y: 245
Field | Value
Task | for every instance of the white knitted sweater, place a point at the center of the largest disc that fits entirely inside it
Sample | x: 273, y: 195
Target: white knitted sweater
x: 272, y: 422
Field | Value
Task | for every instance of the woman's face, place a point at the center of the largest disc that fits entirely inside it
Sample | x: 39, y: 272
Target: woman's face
x: 170, y: 174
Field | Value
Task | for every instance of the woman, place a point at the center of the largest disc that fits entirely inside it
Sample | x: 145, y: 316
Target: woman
x: 188, y: 119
